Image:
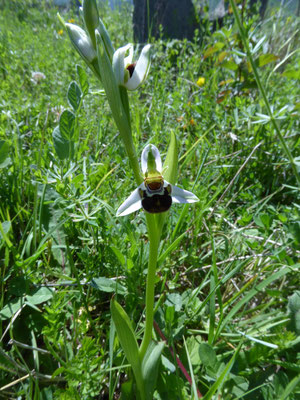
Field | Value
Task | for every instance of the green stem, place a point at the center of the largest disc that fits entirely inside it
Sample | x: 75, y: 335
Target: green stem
x: 262, y: 90
x: 154, y: 238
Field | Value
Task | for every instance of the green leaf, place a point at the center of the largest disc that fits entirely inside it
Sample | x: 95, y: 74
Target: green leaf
x: 118, y: 254
x: 63, y: 147
x: 67, y: 124
x: 294, y: 308
x: 150, y: 366
x: 290, y: 388
x: 128, y: 341
x: 108, y: 285
x: 208, y: 355
x: 229, y: 64
x: 213, y: 49
x: 170, y: 172
x: 40, y: 296
x: 83, y: 79
x: 221, y: 379
x: 74, y: 95
x: 266, y: 59
x: 11, y: 308
x: 4, y: 152
x: 6, y: 225
x: 171, y: 161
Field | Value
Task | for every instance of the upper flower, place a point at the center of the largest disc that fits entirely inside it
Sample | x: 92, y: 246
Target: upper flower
x: 128, y: 73
x: 155, y: 194
x: 81, y: 42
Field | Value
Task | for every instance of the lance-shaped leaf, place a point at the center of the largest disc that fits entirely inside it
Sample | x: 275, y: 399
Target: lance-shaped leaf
x: 91, y: 18
x: 170, y: 166
x: 106, y: 40
x: 150, y: 366
x: 128, y: 341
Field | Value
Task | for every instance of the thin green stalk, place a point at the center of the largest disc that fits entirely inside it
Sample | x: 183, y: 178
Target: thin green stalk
x: 262, y: 90
x: 154, y: 238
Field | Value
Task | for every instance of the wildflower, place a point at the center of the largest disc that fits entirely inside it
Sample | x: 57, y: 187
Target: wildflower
x: 71, y: 20
x: 37, y: 77
x: 201, y: 81
x: 154, y: 195
x: 128, y: 73
x: 81, y: 42
x: 60, y: 32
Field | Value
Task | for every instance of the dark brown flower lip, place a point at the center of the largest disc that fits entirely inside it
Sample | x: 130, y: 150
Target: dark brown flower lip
x: 130, y: 68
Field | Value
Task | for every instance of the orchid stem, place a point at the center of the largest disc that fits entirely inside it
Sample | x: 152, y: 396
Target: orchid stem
x: 154, y: 238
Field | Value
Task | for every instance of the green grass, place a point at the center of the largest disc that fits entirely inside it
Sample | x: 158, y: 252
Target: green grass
x: 227, y: 285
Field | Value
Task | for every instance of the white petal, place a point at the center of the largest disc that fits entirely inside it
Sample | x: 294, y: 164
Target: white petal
x: 118, y: 63
x: 141, y: 69
x: 129, y: 58
x: 156, y: 155
x: 81, y: 42
x: 131, y: 204
x: 182, y: 196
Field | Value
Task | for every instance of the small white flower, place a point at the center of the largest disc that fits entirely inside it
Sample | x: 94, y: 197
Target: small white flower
x: 128, y: 73
x: 37, y: 76
x: 154, y: 195
x: 81, y: 42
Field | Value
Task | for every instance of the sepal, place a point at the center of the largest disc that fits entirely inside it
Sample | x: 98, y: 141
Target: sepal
x: 81, y: 42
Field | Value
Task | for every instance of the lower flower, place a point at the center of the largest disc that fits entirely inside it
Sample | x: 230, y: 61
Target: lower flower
x: 155, y: 195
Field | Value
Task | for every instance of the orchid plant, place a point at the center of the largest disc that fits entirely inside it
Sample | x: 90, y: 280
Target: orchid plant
x: 156, y: 190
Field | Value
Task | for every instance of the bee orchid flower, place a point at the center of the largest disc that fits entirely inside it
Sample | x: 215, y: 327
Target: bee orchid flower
x: 155, y: 195
x: 128, y: 73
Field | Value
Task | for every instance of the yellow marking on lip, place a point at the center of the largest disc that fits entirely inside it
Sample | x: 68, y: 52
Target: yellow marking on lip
x: 154, y: 182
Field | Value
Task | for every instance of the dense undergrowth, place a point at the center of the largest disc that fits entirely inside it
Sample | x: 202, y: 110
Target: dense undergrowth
x: 227, y: 296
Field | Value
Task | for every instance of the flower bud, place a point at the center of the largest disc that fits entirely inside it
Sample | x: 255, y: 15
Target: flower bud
x: 81, y: 42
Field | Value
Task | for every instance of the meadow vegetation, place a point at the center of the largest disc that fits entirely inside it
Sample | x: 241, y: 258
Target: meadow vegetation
x: 227, y: 293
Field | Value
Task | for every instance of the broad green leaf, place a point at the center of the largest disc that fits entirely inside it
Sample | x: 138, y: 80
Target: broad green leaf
x: 67, y: 125
x: 40, y: 296
x: 292, y: 73
x: 6, y: 227
x: 174, y: 299
x: 229, y: 64
x: 63, y: 147
x: 167, y: 364
x: 294, y: 308
x: 108, y: 285
x: 11, y: 308
x: 266, y: 59
x: 211, y: 50
x: 83, y: 79
x: 74, y: 95
x: 150, y: 366
x: 128, y: 341
x: 4, y: 151
x: 208, y: 355
x: 58, y: 242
